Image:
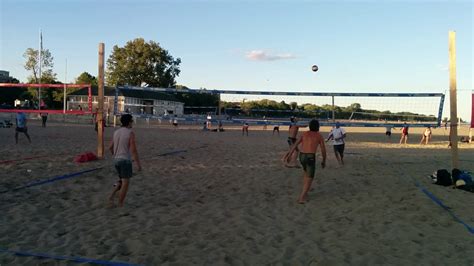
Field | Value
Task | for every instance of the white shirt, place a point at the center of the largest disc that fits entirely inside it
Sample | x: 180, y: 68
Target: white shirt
x: 338, y: 133
x: 121, y: 143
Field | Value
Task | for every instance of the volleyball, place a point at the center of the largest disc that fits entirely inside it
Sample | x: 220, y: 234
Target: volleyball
x: 314, y: 68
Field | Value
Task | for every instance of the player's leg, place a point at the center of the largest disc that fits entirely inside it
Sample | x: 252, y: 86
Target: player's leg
x: 123, y: 191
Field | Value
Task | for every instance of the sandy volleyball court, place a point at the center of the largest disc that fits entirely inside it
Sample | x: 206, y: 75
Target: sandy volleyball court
x: 225, y: 199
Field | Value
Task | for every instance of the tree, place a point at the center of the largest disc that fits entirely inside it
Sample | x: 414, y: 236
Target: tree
x: 355, y: 107
x: 140, y: 62
x: 293, y: 105
x: 31, y: 64
x: 51, y: 97
x: 47, y: 74
x: 86, y: 78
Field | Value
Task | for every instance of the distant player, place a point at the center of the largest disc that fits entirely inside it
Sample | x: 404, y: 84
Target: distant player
x: 208, y: 121
x: 276, y: 128
x: 245, y: 129
x: 338, y: 134
x: 404, y: 137
x: 310, y: 141
x: 388, y: 130
x: 21, y: 126
x: 426, y: 136
x: 44, y: 118
x: 122, y: 148
x: 175, y: 122
x: 292, y: 134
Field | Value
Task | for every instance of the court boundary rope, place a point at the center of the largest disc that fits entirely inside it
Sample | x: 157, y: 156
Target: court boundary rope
x: 67, y: 258
x: 29, y: 158
x: 51, y: 180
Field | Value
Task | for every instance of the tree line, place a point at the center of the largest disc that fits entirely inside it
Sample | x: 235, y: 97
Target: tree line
x: 270, y: 108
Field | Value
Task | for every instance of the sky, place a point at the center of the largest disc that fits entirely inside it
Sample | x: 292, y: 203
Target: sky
x: 359, y: 46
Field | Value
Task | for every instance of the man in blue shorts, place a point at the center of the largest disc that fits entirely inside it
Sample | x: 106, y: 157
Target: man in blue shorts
x: 21, y: 126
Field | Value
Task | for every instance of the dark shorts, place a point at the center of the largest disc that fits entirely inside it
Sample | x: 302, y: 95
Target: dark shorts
x: 175, y: 124
x: 339, y: 149
x: 291, y: 141
x: 276, y: 129
x: 21, y: 129
x: 124, y: 168
x: 308, y: 161
x: 388, y: 133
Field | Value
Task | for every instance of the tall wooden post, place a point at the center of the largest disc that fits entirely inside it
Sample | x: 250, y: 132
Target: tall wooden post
x: 453, y: 100
x: 100, y: 109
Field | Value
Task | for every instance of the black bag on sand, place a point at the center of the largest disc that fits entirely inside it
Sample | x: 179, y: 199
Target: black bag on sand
x: 462, y: 180
x: 443, y: 178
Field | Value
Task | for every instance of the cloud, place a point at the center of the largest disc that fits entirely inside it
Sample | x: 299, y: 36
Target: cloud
x: 442, y: 67
x: 259, y: 55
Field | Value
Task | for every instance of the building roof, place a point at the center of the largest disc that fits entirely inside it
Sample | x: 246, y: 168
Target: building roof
x: 110, y: 91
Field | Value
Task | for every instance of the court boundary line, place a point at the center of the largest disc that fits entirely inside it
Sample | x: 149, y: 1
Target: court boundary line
x: 431, y: 196
x: 67, y: 258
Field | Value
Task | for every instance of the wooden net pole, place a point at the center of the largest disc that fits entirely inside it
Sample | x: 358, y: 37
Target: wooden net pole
x: 453, y: 100
x: 100, y: 109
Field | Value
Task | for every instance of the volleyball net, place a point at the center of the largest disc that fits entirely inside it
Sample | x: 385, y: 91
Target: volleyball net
x: 351, y: 109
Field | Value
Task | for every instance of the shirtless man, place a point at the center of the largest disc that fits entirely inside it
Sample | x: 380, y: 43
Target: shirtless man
x: 310, y: 141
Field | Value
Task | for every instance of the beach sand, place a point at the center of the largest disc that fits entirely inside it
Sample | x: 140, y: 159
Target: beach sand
x: 226, y: 199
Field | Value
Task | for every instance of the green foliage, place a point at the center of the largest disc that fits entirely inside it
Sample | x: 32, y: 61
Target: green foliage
x: 86, y: 78
x: 31, y: 64
x: 52, y: 98
x: 293, y: 105
x: 355, y: 107
x: 141, y: 62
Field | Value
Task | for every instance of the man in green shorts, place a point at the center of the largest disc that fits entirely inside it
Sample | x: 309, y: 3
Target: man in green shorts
x: 310, y: 141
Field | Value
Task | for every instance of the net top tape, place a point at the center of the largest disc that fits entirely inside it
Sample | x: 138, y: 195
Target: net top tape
x: 282, y: 93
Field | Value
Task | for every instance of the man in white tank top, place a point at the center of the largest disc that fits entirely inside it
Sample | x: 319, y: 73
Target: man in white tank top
x: 122, y: 148
x: 338, y: 134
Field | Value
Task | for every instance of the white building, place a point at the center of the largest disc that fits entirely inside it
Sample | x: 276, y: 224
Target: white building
x: 133, y: 101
